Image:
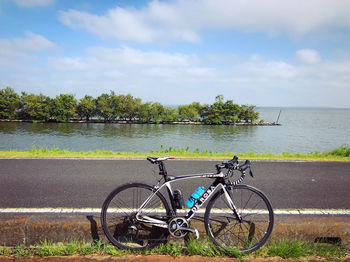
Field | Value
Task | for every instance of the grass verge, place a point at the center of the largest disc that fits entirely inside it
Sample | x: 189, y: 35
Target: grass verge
x: 280, y: 248
x: 340, y: 154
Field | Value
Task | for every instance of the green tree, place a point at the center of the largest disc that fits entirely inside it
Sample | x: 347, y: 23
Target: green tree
x: 215, y: 114
x: 231, y: 111
x: 9, y: 103
x: 248, y: 113
x: 134, y: 112
x: 157, y: 111
x: 144, y: 112
x: 107, y: 106
x: 121, y: 106
x: 35, y: 107
x: 110, y: 107
x: 205, y: 113
x: 226, y: 112
x: 128, y: 106
x: 63, y: 107
x: 190, y: 112
x: 219, y: 98
x: 170, y: 114
x: 86, y: 107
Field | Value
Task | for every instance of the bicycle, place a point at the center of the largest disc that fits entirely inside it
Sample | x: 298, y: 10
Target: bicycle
x: 136, y: 216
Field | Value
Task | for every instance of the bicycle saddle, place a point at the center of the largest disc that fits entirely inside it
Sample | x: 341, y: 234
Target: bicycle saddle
x: 155, y: 160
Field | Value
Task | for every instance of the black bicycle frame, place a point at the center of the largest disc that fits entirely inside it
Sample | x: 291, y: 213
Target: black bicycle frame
x: 219, y: 181
x: 205, y: 196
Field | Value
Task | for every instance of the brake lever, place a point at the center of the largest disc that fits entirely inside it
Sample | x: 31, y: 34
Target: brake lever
x: 234, y: 159
x: 251, y: 172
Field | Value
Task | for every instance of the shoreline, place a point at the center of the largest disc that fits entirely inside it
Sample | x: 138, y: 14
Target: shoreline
x: 177, y: 153
x: 135, y: 122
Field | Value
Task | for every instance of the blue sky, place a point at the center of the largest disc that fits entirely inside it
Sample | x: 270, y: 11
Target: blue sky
x: 266, y: 53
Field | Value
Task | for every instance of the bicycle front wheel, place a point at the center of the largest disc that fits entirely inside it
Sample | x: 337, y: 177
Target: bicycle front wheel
x: 223, y: 226
x: 119, y: 221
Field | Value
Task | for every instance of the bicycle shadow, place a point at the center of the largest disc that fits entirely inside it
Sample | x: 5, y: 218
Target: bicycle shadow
x: 94, y: 229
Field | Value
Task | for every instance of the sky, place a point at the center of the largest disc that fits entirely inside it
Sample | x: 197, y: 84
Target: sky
x: 266, y: 53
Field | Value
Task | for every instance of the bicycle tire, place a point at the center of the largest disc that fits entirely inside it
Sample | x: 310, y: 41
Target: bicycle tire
x: 223, y: 227
x: 119, y: 222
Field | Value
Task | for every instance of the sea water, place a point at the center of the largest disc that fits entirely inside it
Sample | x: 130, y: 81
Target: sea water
x: 302, y: 130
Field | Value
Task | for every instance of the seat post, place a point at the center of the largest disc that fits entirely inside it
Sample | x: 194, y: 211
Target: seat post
x: 162, y: 170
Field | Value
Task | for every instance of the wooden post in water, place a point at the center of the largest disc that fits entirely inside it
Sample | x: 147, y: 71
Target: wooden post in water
x: 278, y: 116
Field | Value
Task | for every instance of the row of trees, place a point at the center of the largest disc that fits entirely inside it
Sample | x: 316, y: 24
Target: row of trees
x: 111, y: 107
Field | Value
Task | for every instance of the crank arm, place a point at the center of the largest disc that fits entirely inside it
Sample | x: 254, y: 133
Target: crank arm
x: 192, y: 230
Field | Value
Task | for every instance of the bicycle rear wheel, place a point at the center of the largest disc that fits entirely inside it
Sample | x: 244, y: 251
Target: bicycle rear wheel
x: 226, y: 231
x: 118, y: 217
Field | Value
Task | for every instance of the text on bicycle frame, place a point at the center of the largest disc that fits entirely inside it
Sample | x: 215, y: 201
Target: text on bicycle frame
x: 201, y: 201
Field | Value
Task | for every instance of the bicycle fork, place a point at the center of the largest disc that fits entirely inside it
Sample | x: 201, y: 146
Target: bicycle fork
x: 228, y: 196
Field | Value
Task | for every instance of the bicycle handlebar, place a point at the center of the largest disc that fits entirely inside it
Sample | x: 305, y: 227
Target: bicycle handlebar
x: 233, y: 165
x: 245, y: 165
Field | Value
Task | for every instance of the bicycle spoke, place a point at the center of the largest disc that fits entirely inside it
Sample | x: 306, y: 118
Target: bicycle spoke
x: 247, y: 234
x: 123, y: 207
x: 119, y: 220
x: 236, y: 236
x: 245, y: 206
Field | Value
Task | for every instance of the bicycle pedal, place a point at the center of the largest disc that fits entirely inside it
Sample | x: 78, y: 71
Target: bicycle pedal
x: 133, y: 228
x: 197, y: 233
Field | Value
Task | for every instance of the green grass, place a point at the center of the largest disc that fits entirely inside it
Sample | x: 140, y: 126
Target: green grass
x: 298, y: 248
x: 48, y: 249
x: 340, y: 154
x: 5, y: 251
x: 275, y: 248
x: 343, y: 151
x: 290, y: 249
x: 331, y: 251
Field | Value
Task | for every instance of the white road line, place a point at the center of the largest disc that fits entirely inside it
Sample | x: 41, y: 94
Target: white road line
x: 345, y: 212
x: 49, y: 210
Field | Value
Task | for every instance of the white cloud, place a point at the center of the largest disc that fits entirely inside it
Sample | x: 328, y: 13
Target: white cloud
x: 147, y: 73
x: 19, y: 48
x: 117, y: 23
x: 33, y: 42
x: 184, y: 20
x: 308, y: 56
x: 125, y: 57
x: 159, y: 76
x: 33, y: 3
x: 173, y: 78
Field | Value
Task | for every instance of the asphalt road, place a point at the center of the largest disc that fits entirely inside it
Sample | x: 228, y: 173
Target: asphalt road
x: 37, y: 183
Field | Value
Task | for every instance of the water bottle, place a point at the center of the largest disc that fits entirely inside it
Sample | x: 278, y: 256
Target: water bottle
x: 197, y: 194
x: 178, y: 199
